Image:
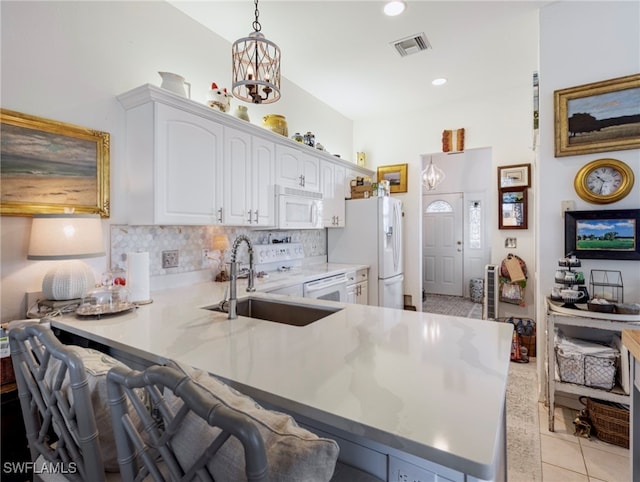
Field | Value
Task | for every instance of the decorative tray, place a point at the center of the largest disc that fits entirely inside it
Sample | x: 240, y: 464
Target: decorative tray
x: 87, y: 309
x: 581, y: 309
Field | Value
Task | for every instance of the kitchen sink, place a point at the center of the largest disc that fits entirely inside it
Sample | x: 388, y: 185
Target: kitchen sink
x: 279, y: 311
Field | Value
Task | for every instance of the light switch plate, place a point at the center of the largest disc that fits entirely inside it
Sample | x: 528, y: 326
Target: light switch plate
x: 567, y: 206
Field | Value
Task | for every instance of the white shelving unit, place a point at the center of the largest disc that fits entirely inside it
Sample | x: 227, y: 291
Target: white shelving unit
x: 594, y: 324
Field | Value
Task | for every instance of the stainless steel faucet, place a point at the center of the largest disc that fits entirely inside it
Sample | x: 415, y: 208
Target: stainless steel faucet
x: 233, y: 276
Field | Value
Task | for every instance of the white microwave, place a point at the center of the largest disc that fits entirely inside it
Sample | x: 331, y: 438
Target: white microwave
x: 298, y: 209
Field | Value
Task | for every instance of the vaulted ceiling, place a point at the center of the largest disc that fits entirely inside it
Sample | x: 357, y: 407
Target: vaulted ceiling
x: 343, y: 53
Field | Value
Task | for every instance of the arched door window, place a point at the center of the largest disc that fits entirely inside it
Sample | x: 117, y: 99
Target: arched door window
x: 438, y: 207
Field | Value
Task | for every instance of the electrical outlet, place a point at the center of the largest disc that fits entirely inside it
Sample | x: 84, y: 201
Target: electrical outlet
x: 171, y: 259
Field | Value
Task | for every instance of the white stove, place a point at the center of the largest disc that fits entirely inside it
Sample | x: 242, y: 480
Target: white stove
x: 281, y: 257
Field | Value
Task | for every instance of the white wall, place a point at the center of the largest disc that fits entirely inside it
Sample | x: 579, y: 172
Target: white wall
x: 68, y: 61
x: 500, y: 120
x: 580, y: 43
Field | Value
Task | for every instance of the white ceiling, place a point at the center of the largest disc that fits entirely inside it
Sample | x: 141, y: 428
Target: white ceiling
x: 341, y: 52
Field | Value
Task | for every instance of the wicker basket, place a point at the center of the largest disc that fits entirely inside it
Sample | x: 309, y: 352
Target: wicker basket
x: 610, y: 421
x: 592, y: 371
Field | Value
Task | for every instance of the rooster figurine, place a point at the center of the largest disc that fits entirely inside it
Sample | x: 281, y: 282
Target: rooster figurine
x: 219, y: 98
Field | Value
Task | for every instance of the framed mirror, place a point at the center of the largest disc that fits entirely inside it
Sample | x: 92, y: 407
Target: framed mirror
x: 512, y: 208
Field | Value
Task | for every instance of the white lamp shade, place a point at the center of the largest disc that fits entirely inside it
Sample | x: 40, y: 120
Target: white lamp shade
x: 65, y: 236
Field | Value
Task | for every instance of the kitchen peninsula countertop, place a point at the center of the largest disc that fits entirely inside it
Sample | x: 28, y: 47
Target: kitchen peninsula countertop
x: 427, y: 385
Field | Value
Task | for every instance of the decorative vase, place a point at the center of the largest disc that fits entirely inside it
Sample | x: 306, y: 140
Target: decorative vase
x: 176, y: 84
x: 241, y: 112
x: 298, y: 138
x: 275, y: 123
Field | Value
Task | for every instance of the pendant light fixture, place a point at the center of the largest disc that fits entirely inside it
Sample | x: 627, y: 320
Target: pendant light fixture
x: 256, y: 67
x: 432, y: 176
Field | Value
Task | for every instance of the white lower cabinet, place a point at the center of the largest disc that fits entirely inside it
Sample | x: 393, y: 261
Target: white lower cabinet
x: 358, y: 287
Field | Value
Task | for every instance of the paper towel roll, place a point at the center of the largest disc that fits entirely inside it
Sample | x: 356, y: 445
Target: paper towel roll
x: 138, y: 276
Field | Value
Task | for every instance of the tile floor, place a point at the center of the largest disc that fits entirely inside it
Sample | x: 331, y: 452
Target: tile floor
x: 567, y: 458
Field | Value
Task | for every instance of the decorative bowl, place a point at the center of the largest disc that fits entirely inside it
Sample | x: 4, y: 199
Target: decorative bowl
x: 627, y: 308
x: 601, y: 307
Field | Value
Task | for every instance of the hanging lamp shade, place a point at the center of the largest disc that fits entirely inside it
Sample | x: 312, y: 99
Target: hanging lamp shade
x: 256, y: 67
x: 432, y: 176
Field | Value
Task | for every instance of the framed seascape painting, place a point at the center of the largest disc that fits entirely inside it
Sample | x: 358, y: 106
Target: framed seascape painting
x: 609, y: 234
x: 597, y: 117
x: 48, y: 166
x: 396, y: 174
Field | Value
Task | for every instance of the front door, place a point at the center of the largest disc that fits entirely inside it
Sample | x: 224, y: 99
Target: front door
x: 442, y: 250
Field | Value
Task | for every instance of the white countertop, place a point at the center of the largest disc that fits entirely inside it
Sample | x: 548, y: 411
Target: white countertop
x: 429, y: 385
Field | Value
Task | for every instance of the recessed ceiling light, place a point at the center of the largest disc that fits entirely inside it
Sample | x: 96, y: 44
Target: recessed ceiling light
x: 394, y: 7
x: 440, y: 81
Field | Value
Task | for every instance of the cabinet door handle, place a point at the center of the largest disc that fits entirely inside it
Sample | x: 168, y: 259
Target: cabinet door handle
x: 257, y: 216
x: 220, y: 215
x: 337, y: 220
x: 249, y: 220
x: 301, y: 177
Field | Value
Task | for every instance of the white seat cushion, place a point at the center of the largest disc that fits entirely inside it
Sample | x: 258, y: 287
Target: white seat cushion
x: 96, y: 365
x: 293, y: 454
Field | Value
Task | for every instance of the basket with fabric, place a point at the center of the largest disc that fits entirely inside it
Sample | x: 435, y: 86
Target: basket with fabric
x: 610, y: 420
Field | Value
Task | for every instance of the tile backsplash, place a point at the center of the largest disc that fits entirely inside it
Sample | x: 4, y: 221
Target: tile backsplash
x: 191, y: 240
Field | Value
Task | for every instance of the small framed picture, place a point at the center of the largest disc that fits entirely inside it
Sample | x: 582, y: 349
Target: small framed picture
x: 396, y: 174
x: 516, y: 175
x: 513, y: 209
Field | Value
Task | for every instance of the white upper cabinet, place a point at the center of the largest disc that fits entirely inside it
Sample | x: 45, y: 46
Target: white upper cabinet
x: 248, y: 174
x: 333, y: 194
x: 172, y: 165
x: 190, y: 164
x: 295, y: 168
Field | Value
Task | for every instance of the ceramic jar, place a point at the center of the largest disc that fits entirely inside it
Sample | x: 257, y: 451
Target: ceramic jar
x: 310, y: 139
x: 241, y: 112
x: 276, y: 123
x: 298, y: 138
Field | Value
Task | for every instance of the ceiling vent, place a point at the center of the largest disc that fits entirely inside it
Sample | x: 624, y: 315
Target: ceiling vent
x: 412, y: 45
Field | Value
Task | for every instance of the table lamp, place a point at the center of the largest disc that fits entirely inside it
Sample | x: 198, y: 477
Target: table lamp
x: 221, y: 244
x: 68, y: 237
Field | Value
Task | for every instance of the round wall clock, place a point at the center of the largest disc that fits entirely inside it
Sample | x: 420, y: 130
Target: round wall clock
x: 604, y: 181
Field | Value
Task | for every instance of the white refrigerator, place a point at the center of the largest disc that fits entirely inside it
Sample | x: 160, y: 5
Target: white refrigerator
x: 373, y: 235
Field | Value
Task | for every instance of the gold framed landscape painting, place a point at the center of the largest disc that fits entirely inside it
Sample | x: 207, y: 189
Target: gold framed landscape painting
x: 48, y: 166
x: 396, y: 174
x: 598, y: 117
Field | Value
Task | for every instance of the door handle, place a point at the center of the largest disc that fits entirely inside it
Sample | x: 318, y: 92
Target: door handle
x: 220, y: 215
x: 257, y: 216
x: 249, y: 220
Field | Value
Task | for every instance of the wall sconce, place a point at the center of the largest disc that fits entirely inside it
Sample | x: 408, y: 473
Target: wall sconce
x: 68, y: 237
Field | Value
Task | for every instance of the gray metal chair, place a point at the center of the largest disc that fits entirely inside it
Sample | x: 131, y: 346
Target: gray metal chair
x: 61, y: 429
x: 150, y: 452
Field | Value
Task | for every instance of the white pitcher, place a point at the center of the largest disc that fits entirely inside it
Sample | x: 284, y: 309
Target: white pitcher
x: 175, y: 83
